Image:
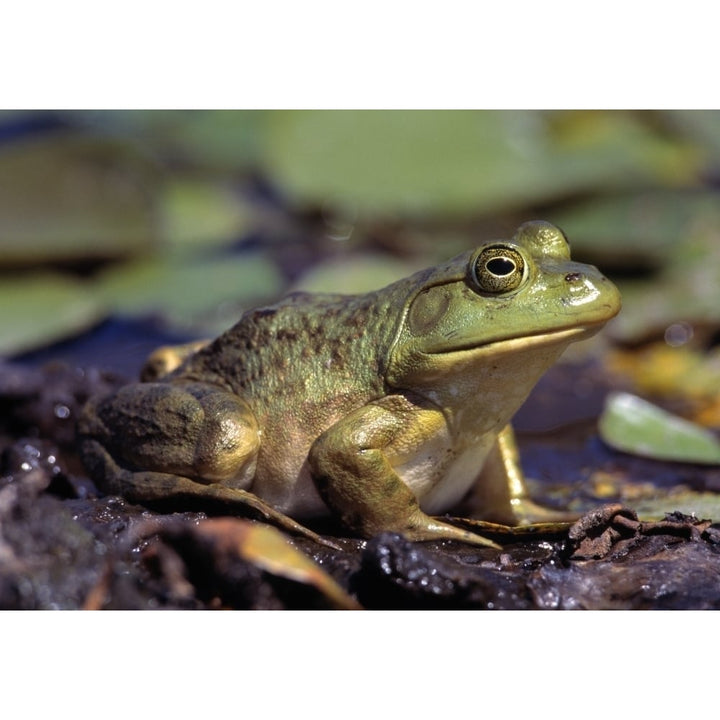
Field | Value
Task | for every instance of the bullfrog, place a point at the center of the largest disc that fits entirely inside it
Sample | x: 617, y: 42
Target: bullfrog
x: 383, y: 410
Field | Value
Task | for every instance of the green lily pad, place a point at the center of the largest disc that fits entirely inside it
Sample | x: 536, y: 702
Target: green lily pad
x: 699, y: 504
x: 647, y: 226
x: 349, y: 275
x: 200, y: 293
x: 222, y: 140
x: 43, y: 308
x: 655, y: 308
x: 631, y: 424
x: 671, y: 233
x: 449, y: 162
x: 66, y: 197
x: 199, y: 212
x: 703, y: 126
x: 686, y: 291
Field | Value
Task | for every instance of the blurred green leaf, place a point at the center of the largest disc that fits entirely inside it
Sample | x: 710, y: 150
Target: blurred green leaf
x: 200, y: 212
x: 698, y: 504
x: 671, y: 368
x: 435, y: 162
x: 645, y: 226
x: 685, y: 291
x: 39, y: 309
x: 633, y: 425
x: 673, y: 233
x: 357, y: 274
x: 222, y: 140
x: 65, y: 197
x: 196, y: 293
x: 703, y: 126
x: 653, y: 308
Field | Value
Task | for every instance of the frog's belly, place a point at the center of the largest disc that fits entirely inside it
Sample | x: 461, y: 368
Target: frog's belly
x: 296, y: 497
x: 440, y: 480
x: 439, y: 476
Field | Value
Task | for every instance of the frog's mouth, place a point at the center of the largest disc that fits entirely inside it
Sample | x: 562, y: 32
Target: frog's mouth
x: 530, y: 355
x: 563, y: 336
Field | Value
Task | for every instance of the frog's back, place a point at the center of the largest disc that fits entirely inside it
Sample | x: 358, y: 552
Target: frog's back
x: 318, y: 350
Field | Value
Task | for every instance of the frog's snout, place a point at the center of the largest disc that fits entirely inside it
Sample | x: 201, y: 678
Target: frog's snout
x: 588, y: 288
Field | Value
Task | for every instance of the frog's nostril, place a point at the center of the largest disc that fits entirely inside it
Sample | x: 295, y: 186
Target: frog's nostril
x: 573, y: 277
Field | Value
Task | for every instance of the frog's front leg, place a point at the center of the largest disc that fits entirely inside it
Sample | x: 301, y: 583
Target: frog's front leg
x: 183, y: 444
x: 500, y: 493
x: 352, y: 465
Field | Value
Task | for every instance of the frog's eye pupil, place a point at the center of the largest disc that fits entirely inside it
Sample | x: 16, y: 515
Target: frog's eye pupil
x: 500, y: 266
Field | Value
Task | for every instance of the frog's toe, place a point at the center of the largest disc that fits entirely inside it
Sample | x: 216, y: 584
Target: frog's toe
x: 527, y: 512
x: 424, y: 528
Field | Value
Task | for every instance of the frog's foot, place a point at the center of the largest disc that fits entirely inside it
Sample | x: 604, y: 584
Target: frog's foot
x: 353, y: 474
x: 169, y: 490
x: 527, y: 512
x: 164, y: 360
x: 500, y: 493
x: 188, y: 493
x: 423, y: 527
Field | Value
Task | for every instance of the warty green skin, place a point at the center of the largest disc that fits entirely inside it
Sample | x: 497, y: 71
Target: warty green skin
x: 363, y: 406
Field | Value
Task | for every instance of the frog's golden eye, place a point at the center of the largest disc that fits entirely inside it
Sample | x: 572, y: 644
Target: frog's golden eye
x: 498, y: 269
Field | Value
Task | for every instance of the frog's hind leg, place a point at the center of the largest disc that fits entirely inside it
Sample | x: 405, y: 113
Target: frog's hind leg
x: 165, y: 489
x: 353, y: 473
x: 500, y: 493
x: 189, y: 445
x: 192, y: 429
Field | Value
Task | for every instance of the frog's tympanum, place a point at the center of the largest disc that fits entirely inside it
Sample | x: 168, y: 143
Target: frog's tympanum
x: 383, y: 410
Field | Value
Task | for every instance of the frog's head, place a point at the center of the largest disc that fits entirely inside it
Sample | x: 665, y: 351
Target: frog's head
x: 518, y: 297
